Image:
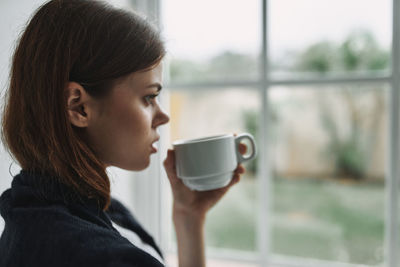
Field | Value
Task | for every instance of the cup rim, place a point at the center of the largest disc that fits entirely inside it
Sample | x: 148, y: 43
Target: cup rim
x: 201, y: 139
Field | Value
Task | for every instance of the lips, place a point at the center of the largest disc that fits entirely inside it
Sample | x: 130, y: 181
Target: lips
x: 154, y: 146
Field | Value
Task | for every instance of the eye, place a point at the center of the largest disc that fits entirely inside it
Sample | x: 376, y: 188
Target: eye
x: 151, y: 99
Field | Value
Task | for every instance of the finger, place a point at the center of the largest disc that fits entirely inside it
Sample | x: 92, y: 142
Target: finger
x: 222, y: 191
x: 235, y: 179
x: 169, y: 165
x: 240, y: 169
x: 242, y: 148
x: 169, y: 162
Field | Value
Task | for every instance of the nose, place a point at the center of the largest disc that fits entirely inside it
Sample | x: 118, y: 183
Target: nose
x: 160, y: 118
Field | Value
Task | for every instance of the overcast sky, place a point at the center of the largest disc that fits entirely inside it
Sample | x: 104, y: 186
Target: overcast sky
x: 199, y: 29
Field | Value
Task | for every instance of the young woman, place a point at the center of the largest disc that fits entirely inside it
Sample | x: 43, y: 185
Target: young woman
x: 83, y: 96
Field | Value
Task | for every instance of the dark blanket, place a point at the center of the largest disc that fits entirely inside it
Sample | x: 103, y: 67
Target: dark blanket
x: 45, y: 226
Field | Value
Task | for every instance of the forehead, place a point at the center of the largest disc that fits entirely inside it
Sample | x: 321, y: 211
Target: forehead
x: 143, y: 78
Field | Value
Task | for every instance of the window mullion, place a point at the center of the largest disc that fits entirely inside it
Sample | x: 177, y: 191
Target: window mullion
x: 263, y: 82
x: 264, y: 196
x: 391, y: 244
x: 148, y: 195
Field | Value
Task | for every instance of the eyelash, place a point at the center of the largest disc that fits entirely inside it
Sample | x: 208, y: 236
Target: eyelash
x: 150, y: 98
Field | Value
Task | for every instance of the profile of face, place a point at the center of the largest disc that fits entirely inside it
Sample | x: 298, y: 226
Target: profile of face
x: 121, y: 127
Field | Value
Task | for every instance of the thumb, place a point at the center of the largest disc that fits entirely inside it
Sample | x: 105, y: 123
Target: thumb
x: 169, y: 165
x: 169, y: 162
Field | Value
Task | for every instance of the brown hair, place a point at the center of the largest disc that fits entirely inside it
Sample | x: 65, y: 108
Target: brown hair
x: 89, y: 42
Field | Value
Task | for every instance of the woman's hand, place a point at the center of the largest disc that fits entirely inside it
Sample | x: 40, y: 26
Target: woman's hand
x: 189, y: 212
x: 196, y: 203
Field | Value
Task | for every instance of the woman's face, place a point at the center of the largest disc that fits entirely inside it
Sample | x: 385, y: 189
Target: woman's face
x: 124, y: 126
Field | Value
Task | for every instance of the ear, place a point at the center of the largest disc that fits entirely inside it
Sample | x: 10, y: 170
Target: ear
x: 77, y: 104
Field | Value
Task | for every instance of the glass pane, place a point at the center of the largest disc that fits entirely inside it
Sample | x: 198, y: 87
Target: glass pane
x: 212, y: 40
x: 328, y: 163
x: 231, y: 224
x: 314, y: 37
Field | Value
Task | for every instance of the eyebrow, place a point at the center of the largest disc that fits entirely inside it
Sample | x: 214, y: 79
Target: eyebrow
x: 159, y: 86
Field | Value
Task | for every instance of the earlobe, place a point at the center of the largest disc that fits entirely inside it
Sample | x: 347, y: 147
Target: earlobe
x: 77, y: 106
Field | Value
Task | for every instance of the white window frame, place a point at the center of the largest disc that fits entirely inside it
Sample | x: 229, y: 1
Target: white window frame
x: 147, y: 186
x: 150, y: 192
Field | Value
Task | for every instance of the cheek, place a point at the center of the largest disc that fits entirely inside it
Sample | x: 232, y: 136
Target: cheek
x: 136, y: 123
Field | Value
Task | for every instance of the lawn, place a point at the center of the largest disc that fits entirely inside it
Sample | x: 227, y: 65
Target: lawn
x: 323, y: 219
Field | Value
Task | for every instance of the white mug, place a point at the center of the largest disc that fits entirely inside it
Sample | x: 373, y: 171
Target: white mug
x: 208, y: 163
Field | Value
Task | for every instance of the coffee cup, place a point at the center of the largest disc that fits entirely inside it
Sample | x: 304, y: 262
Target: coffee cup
x: 208, y: 163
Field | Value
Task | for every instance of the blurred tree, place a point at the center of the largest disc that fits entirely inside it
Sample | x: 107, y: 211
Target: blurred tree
x: 227, y: 65
x: 233, y: 66
x: 250, y: 118
x: 187, y: 71
x: 319, y: 57
x: 359, y: 52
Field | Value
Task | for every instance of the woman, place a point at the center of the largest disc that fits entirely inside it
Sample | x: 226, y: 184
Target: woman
x: 83, y: 96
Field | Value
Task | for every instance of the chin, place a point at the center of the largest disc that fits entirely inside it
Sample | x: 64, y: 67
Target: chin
x: 133, y: 163
x: 136, y: 166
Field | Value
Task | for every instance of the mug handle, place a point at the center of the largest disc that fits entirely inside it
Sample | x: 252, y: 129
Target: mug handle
x: 238, y: 139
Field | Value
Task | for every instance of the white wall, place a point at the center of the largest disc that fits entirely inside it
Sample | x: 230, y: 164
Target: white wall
x: 14, y: 15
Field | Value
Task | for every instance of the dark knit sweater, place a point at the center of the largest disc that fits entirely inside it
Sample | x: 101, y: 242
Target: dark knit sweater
x: 46, y: 225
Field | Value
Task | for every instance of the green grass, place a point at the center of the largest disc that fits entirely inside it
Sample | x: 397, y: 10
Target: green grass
x: 322, y: 219
x: 232, y: 222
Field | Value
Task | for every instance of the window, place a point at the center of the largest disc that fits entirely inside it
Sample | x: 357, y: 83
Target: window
x: 314, y: 81
x: 317, y: 83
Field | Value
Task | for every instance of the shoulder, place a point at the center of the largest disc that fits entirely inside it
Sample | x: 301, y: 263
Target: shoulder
x: 54, y: 236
